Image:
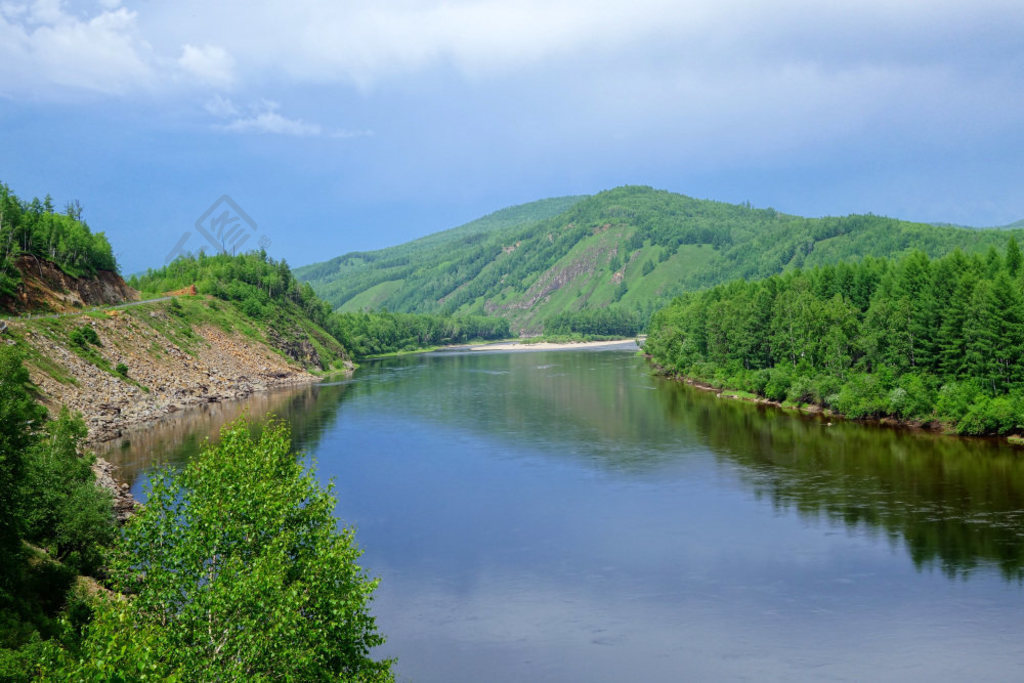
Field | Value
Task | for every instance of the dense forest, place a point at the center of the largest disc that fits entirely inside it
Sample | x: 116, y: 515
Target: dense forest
x: 369, y: 334
x: 632, y: 247
x: 611, y: 322
x: 35, y: 228
x: 915, y: 338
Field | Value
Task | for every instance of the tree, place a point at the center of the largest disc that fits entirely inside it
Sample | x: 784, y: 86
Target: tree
x: 1013, y: 257
x: 20, y: 418
x: 235, y: 569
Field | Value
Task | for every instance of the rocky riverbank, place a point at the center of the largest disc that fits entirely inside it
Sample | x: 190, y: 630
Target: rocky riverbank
x: 163, y: 374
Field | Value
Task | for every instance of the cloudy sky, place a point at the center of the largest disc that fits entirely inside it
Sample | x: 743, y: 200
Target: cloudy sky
x: 340, y: 126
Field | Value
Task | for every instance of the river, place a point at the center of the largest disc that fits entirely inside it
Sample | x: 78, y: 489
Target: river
x: 567, y: 516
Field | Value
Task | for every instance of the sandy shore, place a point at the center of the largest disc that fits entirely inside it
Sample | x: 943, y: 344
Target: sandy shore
x: 550, y: 346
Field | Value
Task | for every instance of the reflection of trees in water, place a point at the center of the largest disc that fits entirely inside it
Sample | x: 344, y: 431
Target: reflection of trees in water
x: 178, y: 436
x: 955, y: 503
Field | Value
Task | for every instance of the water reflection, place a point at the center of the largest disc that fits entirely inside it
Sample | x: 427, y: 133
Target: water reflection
x: 951, y: 503
x: 957, y: 503
x: 178, y: 436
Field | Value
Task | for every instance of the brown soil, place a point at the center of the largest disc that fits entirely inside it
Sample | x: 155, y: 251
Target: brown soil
x: 45, y: 287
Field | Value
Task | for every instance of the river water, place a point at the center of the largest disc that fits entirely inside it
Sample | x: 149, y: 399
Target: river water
x: 566, y: 516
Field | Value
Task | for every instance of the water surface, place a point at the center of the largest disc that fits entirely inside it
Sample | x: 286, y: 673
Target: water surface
x: 564, y: 516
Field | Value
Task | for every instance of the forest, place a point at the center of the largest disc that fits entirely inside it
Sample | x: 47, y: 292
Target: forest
x: 35, y: 228
x: 611, y: 322
x: 373, y: 333
x: 915, y: 338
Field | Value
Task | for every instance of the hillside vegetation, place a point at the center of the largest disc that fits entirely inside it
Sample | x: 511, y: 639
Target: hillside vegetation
x: 35, y: 229
x: 266, y: 291
x: 631, y: 248
x: 914, y: 338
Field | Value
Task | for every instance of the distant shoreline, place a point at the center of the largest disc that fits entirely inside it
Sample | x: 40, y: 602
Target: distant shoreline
x: 552, y: 346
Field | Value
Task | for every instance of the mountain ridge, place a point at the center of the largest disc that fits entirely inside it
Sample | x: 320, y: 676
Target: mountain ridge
x: 632, y: 247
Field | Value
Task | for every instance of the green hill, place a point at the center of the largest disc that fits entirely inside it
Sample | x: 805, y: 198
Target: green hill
x: 631, y: 248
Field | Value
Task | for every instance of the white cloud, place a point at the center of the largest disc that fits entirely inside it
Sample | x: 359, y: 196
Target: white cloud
x: 264, y: 117
x: 208, y: 64
x: 272, y: 122
x: 45, y: 49
x: 221, y: 106
x: 260, y: 42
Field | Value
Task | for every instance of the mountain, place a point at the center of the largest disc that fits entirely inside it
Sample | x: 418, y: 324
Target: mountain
x: 632, y: 247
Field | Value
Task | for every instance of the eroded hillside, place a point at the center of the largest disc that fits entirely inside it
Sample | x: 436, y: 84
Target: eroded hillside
x: 132, y: 365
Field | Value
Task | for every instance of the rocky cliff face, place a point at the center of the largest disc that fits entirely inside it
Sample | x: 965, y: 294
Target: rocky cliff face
x: 165, y: 372
x: 45, y: 287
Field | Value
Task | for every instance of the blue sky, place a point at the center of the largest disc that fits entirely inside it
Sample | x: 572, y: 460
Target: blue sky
x: 343, y: 126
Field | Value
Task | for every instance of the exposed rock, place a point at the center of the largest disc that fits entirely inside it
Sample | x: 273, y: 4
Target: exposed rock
x: 301, y: 350
x: 45, y: 286
x: 125, y: 504
x: 162, y: 377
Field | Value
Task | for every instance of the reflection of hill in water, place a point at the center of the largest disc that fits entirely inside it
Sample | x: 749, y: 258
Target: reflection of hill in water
x: 178, y: 436
x: 954, y: 503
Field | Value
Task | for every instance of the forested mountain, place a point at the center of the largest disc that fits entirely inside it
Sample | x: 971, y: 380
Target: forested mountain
x: 35, y: 228
x: 357, y: 273
x: 915, y: 338
x: 632, y: 249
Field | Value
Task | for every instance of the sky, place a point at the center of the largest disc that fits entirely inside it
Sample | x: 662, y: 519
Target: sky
x: 338, y: 126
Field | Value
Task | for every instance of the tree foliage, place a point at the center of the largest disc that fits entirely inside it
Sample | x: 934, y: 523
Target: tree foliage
x: 48, y: 498
x: 235, y: 570
x: 34, y: 228
x: 602, y: 322
x: 915, y: 338
x: 254, y: 280
x: 370, y: 333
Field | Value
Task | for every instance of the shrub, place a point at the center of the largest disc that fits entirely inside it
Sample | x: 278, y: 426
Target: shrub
x: 777, y: 386
x: 863, y: 395
x: 955, y: 399
x: 238, y: 572
x: 121, y: 369
x: 83, y: 336
x: 803, y: 390
x: 999, y: 415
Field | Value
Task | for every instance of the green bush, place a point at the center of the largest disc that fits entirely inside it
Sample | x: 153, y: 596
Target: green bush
x: 955, y: 399
x: 121, y: 369
x: 803, y: 390
x: 1000, y: 415
x: 67, y: 514
x: 245, y: 576
x: 863, y: 395
x: 777, y: 386
x: 912, y: 398
x: 83, y: 336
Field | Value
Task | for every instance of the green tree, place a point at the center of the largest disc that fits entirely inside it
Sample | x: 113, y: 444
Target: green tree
x: 235, y: 569
x: 65, y: 512
x: 20, y: 418
x: 1013, y: 257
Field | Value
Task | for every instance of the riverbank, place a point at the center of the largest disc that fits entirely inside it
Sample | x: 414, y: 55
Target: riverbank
x: 168, y: 363
x: 552, y: 346
x: 812, y: 409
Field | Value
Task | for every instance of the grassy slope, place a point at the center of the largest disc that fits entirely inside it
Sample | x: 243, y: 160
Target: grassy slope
x: 577, y: 258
